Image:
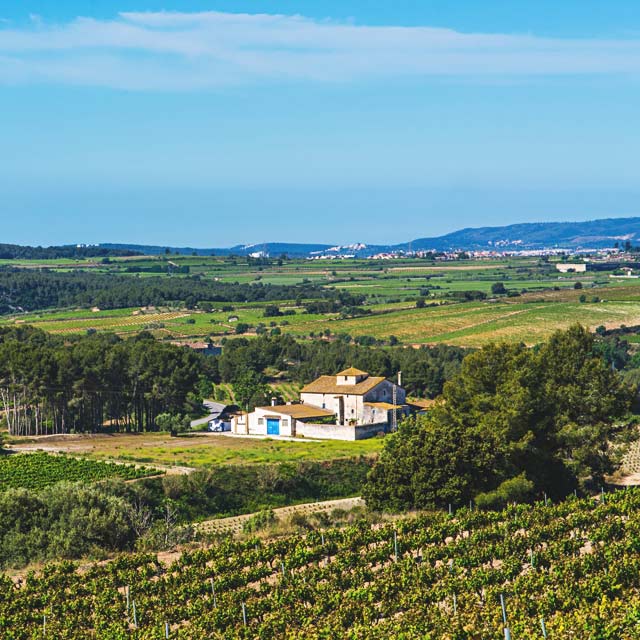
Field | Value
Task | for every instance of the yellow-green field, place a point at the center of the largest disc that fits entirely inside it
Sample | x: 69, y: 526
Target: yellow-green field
x: 528, y: 319
x: 195, y: 450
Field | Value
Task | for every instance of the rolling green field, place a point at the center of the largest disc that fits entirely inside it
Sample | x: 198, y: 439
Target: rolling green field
x: 541, y: 299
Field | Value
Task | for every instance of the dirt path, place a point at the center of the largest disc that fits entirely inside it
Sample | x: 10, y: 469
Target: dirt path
x: 234, y: 524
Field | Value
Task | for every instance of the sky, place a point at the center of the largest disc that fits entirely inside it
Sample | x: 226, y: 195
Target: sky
x: 211, y: 124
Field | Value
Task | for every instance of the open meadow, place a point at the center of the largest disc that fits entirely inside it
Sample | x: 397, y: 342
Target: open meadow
x: 196, y: 450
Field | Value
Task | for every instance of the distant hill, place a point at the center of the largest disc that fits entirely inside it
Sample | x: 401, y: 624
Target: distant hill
x: 269, y: 248
x: 592, y: 234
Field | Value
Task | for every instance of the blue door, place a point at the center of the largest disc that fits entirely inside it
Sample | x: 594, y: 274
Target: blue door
x: 273, y: 427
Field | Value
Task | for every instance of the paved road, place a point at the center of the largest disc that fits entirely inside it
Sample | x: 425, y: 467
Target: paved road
x: 234, y: 524
x: 214, y: 409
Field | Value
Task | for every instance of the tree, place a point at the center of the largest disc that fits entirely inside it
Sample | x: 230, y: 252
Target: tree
x: 272, y: 311
x: 420, y: 303
x: 498, y: 288
x: 514, y: 422
x: 175, y: 424
x: 251, y: 390
x: 577, y: 285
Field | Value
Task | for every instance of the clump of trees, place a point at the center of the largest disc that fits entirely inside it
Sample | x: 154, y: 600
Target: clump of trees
x: 48, y: 385
x: 424, y: 370
x: 514, y: 422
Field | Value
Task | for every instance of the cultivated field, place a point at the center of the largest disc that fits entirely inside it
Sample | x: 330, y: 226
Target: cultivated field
x: 196, y: 450
x: 540, y: 300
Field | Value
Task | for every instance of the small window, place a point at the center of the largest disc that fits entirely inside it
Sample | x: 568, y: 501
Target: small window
x: 324, y: 405
x: 345, y: 377
x: 260, y: 421
x: 353, y: 411
x: 285, y: 422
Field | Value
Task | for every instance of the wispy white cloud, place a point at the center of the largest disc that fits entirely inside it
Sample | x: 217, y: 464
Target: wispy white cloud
x: 182, y: 51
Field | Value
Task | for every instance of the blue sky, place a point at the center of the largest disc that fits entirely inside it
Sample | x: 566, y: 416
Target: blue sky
x: 215, y: 123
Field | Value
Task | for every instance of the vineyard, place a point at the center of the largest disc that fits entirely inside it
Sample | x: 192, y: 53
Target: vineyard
x: 570, y: 570
x: 39, y: 470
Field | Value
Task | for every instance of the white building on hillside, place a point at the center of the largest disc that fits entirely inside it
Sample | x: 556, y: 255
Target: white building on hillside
x: 351, y: 405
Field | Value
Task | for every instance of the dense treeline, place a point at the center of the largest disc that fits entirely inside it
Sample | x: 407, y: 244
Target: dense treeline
x: 515, y: 422
x: 424, y: 370
x: 15, y: 251
x: 50, y: 386
x: 29, y: 290
x: 72, y: 520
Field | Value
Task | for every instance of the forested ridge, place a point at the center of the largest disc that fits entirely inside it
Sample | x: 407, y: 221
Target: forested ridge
x: 29, y: 290
x: 16, y: 251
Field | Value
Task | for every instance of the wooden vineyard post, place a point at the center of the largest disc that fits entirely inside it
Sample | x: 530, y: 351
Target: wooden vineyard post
x: 213, y: 592
x: 44, y: 626
x: 135, y: 615
x: 395, y: 544
x: 126, y: 593
x: 244, y: 614
x: 166, y: 630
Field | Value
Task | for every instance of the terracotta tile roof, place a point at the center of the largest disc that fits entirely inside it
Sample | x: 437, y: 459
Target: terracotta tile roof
x: 425, y: 403
x: 352, y: 371
x: 299, y: 411
x: 386, y: 406
x: 328, y: 384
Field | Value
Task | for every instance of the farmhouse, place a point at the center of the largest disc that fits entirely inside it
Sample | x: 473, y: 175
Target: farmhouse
x: 205, y: 348
x: 351, y: 405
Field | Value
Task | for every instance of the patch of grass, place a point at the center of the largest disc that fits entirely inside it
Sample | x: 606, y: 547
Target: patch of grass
x: 206, y: 449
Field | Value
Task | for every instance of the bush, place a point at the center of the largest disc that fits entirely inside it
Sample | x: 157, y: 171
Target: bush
x: 259, y: 521
x: 498, y: 288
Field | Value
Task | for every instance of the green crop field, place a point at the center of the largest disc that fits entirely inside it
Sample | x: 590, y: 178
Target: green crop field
x: 39, y: 470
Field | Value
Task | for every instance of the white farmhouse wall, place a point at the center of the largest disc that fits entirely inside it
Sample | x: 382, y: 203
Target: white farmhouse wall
x: 341, y: 432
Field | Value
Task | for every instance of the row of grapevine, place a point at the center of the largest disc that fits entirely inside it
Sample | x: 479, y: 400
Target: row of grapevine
x: 569, y: 570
